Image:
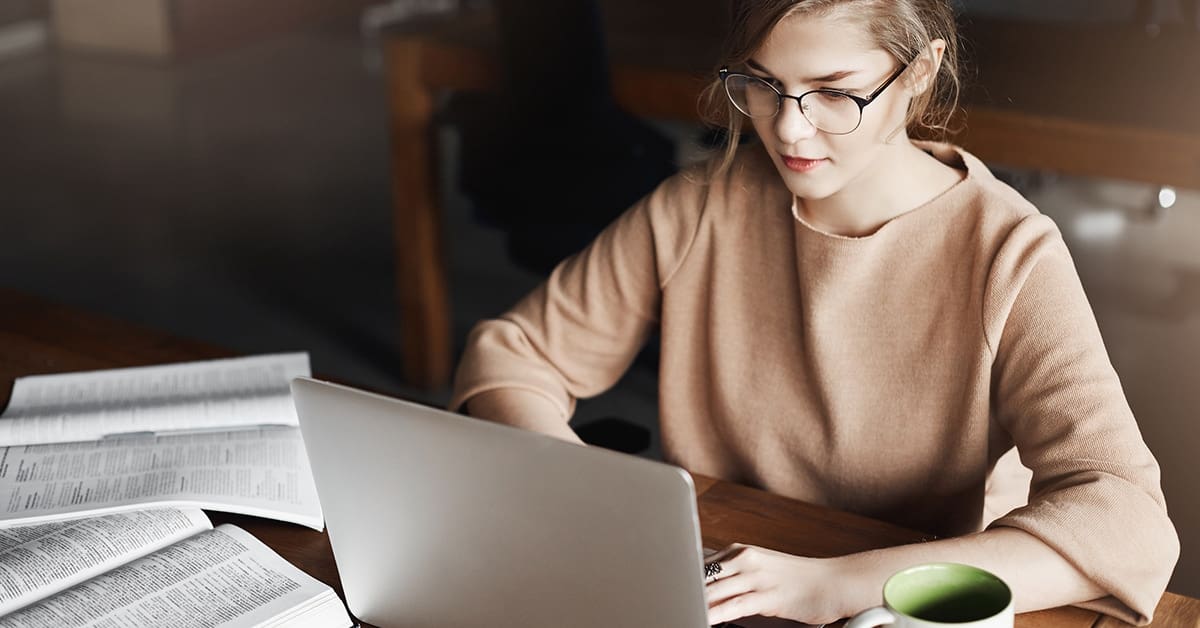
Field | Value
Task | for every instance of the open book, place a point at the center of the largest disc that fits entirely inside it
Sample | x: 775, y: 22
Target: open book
x: 219, y: 435
x: 163, y: 567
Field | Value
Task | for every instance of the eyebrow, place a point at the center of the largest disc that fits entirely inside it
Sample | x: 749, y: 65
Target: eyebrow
x: 828, y: 78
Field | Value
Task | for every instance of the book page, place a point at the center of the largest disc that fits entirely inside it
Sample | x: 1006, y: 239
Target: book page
x: 263, y: 472
x: 190, y: 396
x: 40, y: 560
x: 222, y: 577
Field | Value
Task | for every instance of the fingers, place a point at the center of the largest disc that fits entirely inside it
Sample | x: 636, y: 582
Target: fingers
x: 733, y: 560
x: 737, y: 607
x: 711, y: 571
x: 735, y: 591
x: 717, y: 565
x: 728, y: 587
x: 725, y: 553
x: 716, y: 571
x: 759, y: 581
x: 731, y: 589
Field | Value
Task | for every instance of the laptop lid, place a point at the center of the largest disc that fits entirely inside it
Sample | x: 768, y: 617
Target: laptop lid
x: 437, y: 519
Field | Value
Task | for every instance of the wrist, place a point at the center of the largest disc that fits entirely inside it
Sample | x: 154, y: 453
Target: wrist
x: 855, y: 583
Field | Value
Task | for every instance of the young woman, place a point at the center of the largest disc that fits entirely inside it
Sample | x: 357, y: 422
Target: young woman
x: 855, y: 319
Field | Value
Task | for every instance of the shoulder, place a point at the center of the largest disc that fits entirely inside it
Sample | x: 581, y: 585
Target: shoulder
x: 996, y: 216
x: 1012, y: 241
x: 1024, y: 244
x: 1016, y: 226
x: 723, y: 193
x: 705, y: 191
x: 995, y: 203
x: 703, y: 200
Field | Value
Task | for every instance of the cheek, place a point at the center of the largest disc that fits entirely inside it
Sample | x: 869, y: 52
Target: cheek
x: 765, y: 130
x: 851, y: 149
x: 879, y: 128
x: 885, y: 117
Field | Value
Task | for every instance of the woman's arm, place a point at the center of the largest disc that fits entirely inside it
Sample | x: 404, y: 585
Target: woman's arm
x: 523, y: 409
x: 577, y: 333
x: 756, y: 581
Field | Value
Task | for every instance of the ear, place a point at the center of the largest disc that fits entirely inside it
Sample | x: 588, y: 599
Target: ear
x: 925, y: 67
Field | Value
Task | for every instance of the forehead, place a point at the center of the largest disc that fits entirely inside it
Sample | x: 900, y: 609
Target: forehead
x: 815, y: 45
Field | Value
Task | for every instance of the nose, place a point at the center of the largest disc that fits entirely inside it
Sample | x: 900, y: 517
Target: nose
x: 791, y: 125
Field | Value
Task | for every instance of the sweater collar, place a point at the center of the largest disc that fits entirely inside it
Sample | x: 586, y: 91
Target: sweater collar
x: 948, y: 154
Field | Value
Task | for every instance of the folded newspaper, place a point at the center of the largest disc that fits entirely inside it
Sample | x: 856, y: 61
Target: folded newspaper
x: 218, y: 434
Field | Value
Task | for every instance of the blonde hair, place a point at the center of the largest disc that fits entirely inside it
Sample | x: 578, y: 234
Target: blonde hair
x: 903, y: 28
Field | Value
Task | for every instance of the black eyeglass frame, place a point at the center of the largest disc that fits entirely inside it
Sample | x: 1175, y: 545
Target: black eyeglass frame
x: 861, y: 101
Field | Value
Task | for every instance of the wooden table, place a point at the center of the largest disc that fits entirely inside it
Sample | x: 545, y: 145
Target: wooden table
x: 1093, y: 100
x: 40, y: 337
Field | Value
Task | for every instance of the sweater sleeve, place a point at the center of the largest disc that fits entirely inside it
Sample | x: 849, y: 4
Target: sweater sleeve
x: 1095, y: 496
x: 576, y: 334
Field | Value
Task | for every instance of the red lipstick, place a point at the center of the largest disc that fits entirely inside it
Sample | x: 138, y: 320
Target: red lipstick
x: 800, y: 164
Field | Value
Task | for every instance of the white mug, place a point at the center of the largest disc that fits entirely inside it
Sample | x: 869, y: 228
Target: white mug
x: 941, y: 594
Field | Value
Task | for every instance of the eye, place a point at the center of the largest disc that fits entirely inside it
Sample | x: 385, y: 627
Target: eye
x: 833, y: 95
x: 761, y: 85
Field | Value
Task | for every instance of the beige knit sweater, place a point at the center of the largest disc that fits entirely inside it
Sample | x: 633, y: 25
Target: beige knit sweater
x: 882, y: 375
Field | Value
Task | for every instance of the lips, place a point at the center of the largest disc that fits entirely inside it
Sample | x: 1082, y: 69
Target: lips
x: 802, y: 164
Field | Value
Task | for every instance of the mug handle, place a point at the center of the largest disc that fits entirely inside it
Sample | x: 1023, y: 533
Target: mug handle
x: 872, y: 617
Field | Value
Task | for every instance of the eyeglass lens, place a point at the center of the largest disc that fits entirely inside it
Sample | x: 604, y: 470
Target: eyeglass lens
x: 828, y: 111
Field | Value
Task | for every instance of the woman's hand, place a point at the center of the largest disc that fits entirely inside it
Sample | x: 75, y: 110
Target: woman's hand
x: 758, y: 581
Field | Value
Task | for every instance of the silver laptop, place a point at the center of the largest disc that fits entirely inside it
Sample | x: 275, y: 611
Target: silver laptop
x: 439, y: 520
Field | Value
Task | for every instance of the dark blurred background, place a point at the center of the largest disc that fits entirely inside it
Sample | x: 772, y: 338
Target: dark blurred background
x: 221, y: 169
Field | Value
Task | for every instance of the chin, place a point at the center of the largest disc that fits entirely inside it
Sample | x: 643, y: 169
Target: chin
x: 815, y: 186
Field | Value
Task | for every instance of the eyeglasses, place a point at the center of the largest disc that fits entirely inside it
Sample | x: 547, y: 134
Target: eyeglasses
x: 829, y: 110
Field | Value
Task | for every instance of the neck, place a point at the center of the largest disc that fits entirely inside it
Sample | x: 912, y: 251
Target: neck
x: 901, y: 178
